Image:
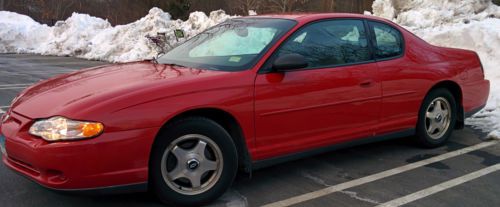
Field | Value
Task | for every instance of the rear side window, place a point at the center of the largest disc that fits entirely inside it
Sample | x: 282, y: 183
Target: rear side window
x: 329, y: 43
x: 388, y: 41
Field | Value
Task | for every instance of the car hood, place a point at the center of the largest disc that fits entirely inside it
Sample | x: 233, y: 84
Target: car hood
x: 86, y: 88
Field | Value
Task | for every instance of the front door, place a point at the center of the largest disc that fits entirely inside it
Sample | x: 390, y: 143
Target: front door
x: 335, y: 99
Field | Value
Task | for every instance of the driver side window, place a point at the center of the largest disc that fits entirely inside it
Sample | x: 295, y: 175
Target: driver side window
x: 329, y: 43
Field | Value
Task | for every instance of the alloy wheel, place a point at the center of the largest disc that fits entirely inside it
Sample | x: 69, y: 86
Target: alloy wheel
x: 192, y: 164
x: 438, y: 118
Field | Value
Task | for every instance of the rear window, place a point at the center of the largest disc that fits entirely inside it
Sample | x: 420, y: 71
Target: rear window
x: 388, y: 41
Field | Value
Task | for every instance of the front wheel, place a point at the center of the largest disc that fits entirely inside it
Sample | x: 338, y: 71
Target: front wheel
x: 437, y: 118
x: 193, y: 162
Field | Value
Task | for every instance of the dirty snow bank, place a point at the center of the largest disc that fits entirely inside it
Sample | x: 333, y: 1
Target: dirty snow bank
x: 467, y: 24
x: 94, y: 38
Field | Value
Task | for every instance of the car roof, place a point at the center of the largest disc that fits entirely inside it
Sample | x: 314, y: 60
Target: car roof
x: 308, y: 17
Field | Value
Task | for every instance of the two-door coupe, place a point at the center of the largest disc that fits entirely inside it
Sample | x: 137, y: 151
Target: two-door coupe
x: 244, y: 94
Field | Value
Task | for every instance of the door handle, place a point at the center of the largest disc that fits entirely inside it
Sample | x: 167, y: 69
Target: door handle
x: 366, y: 84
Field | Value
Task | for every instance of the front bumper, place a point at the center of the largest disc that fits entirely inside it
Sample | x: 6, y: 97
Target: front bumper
x: 112, y: 159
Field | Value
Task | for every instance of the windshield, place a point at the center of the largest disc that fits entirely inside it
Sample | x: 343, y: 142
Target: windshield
x: 236, y: 44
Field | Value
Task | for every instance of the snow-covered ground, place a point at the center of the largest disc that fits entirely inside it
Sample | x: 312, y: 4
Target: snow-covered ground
x: 468, y: 24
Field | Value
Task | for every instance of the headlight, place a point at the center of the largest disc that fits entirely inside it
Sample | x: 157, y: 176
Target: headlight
x: 59, y: 128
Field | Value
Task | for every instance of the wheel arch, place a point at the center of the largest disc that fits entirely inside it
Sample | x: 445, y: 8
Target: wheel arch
x: 456, y: 91
x: 229, y: 123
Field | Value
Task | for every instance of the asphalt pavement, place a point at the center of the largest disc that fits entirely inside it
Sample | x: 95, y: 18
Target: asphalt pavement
x: 465, y: 172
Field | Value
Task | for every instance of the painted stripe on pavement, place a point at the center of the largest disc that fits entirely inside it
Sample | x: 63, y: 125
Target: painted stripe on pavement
x: 17, y: 84
x: 360, y: 181
x: 10, y: 88
x: 440, y: 187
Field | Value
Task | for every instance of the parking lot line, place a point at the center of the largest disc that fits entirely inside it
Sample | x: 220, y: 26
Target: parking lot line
x: 378, y: 176
x: 440, y: 187
x: 14, y: 87
x: 2, y: 109
x: 15, y: 84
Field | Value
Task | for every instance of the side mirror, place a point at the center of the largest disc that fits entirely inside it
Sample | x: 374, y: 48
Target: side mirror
x: 290, y: 62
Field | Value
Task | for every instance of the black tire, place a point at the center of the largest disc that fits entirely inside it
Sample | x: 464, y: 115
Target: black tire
x: 183, y: 127
x: 423, y: 137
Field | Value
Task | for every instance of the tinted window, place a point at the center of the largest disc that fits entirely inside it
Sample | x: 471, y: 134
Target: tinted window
x: 388, y: 41
x: 329, y: 43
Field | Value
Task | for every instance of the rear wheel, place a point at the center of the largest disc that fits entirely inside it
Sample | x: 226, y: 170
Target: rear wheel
x: 437, y: 118
x: 194, y: 161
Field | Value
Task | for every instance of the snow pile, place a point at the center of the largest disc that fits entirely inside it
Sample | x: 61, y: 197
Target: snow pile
x: 73, y: 37
x: 467, y: 24
x: 19, y: 33
x: 94, y: 38
x: 432, y: 13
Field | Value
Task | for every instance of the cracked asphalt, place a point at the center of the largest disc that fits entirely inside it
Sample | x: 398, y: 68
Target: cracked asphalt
x: 286, y: 180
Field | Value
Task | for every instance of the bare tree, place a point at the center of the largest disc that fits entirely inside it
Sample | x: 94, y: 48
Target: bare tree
x: 125, y: 11
x: 279, y: 5
x: 283, y: 6
x: 329, y: 5
x: 245, y: 5
x: 61, y: 8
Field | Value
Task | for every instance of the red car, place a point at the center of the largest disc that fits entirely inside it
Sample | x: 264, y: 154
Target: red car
x: 244, y: 94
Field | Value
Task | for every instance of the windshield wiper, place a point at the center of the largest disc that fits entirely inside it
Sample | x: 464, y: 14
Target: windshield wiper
x: 154, y: 61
